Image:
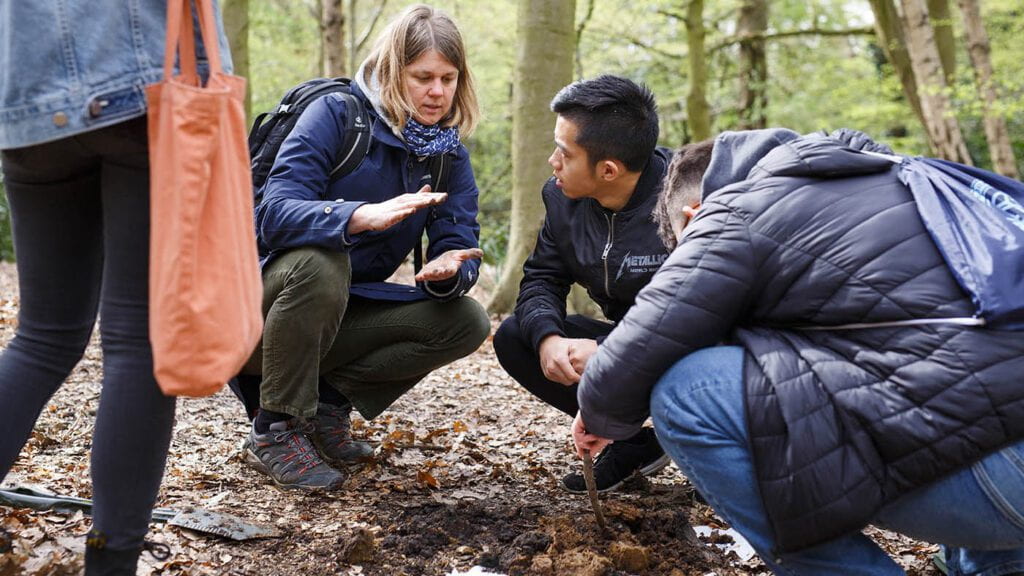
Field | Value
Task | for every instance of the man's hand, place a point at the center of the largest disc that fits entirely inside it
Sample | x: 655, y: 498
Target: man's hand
x: 584, y: 441
x: 563, y: 359
x: 580, y: 350
x: 384, y: 215
x: 447, y: 265
x: 555, y: 361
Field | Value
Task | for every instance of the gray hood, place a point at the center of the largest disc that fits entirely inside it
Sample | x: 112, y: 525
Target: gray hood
x: 370, y: 86
x: 736, y: 153
x: 755, y: 154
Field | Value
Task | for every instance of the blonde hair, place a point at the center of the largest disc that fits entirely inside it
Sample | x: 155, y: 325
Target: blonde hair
x: 417, y: 30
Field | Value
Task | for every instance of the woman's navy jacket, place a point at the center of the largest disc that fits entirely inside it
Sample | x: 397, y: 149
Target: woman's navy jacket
x: 301, y: 207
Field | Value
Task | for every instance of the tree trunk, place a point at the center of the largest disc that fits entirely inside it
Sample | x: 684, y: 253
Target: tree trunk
x: 890, y: 35
x: 996, y: 133
x: 236, y: 26
x: 332, y: 38
x: 940, y: 121
x: 753, y: 94
x: 544, y: 63
x: 942, y: 23
x: 353, y: 48
x: 698, y: 113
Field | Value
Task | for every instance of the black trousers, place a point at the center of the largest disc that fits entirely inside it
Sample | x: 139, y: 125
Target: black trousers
x: 80, y: 214
x: 517, y: 356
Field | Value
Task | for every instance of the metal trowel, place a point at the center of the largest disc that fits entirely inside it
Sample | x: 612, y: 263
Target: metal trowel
x: 189, y: 517
x: 221, y: 524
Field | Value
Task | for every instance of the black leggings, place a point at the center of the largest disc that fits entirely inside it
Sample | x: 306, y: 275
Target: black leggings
x: 516, y: 355
x: 80, y: 214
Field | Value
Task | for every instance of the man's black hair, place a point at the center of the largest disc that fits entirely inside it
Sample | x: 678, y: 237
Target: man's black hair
x: 615, y: 118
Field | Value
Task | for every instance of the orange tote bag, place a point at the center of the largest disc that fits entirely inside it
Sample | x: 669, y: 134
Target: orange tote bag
x: 205, y: 289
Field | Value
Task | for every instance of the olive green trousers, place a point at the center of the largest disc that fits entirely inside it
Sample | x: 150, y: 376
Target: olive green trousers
x: 371, y: 351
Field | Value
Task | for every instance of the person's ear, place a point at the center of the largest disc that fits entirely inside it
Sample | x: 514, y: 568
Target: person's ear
x: 609, y: 170
x: 688, y: 213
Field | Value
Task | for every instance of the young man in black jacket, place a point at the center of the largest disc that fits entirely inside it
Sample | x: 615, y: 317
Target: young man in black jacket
x: 598, y: 233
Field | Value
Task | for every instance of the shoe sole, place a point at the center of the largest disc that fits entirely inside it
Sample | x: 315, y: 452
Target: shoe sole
x: 254, y: 461
x: 649, y: 470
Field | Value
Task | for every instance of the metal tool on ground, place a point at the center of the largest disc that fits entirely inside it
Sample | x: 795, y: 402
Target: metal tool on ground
x: 588, y: 477
x: 221, y: 524
x: 189, y: 517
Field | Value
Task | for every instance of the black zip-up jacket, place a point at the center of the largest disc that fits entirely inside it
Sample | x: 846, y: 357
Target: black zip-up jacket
x: 611, y: 254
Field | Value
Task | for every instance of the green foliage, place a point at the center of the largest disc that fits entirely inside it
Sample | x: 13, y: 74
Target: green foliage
x: 815, y: 82
x: 6, y: 241
x: 284, y: 49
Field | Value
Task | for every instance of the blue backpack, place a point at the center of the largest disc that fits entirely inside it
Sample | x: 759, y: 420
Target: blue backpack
x: 976, y: 219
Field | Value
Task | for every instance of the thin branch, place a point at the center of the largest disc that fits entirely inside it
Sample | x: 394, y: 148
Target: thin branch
x: 579, y: 34
x: 315, y: 10
x: 586, y: 20
x: 672, y: 14
x: 373, y: 24
x: 659, y: 51
x: 861, y: 31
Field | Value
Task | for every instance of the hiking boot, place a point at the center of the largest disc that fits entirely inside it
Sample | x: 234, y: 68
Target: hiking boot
x: 289, y: 458
x: 105, y: 562
x: 102, y: 561
x: 620, y: 460
x: 332, y: 435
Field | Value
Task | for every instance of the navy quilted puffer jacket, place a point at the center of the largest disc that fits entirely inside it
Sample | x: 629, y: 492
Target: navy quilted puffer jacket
x: 807, y: 231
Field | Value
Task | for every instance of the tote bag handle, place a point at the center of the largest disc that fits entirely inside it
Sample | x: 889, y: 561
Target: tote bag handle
x: 181, y: 38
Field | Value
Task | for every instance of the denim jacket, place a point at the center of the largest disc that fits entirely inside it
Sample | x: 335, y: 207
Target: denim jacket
x: 71, y: 66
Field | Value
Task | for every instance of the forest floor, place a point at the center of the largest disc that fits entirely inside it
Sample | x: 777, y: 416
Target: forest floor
x: 464, y: 481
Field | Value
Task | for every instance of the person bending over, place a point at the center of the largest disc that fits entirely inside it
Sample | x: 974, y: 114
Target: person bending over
x: 850, y: 392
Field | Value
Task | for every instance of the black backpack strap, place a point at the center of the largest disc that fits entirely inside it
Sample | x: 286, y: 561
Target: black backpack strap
x: 440, y: 169
x: 258, y: 131
x: 296, y: 96
x: 357, y: 138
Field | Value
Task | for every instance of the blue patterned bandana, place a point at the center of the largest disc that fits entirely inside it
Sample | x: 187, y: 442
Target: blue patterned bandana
x: 430, y: 140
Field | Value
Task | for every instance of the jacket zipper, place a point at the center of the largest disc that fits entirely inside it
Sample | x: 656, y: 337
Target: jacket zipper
x: 607, y: 249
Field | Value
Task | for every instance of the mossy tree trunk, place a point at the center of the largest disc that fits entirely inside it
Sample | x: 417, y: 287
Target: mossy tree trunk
x: 236, y: 26
x: 698, y: 112
x: 941, y: 19
x: 995, y: 124
x: 889, y: 30
x: 940, y: 120
x: 544, y: 64
x: 751, y: 27
x: 332, y: 38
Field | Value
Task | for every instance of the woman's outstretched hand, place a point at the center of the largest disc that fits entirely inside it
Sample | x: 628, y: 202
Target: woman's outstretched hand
x: 384, y: 215
x: 447, y: 265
